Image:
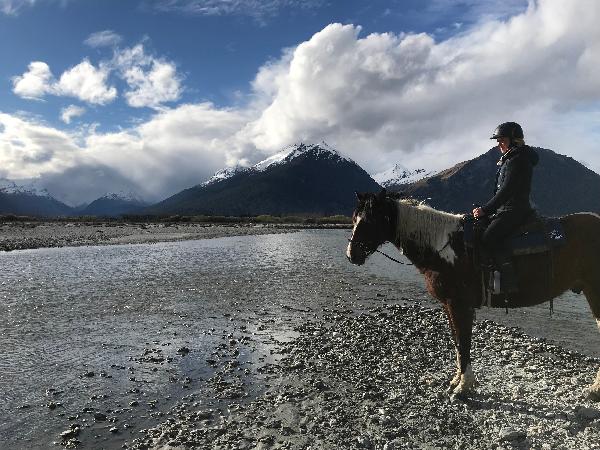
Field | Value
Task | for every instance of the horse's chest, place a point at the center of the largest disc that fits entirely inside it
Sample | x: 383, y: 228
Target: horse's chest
x: 441, y: 285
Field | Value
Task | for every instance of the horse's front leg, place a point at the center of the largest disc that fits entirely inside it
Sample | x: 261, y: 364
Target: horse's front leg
x: 461, y: 323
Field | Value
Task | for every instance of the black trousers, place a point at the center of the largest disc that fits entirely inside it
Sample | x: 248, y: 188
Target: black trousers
x: 501, y: 226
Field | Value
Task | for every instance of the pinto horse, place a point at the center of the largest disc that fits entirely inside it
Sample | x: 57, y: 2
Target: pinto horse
x: 433, y: 241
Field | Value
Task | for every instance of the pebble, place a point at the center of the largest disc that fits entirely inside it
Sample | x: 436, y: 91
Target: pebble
x: 510, y: 434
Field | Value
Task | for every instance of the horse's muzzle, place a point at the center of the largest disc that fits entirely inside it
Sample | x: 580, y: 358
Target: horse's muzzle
x: 355, y: 254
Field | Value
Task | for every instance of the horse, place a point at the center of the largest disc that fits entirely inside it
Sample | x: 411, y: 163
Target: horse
x: 433, y: 242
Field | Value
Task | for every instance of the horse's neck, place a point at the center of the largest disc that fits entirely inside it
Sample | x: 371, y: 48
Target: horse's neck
x: 425, y: 230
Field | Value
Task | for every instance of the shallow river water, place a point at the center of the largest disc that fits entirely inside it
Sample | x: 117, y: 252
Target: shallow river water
x: 79, y: 326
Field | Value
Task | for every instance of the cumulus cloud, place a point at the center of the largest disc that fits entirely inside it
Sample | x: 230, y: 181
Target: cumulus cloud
x: 29, y: 149
x: 87, y: 83
x: 382, y: 99
x: 71, y: 111
x: 106, y: 38
x: 35, y: 83
x: 83, y: 81
x: 386, y: 95
x: 152, y: 81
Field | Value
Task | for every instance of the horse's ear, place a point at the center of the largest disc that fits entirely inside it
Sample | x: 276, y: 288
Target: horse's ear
x: 359, y: 196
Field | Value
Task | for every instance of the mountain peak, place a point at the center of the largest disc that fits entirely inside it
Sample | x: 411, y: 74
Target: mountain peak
x: 399, y: 174
x: 321, y: 150
x: 32, y: 188
x: 123, y: 196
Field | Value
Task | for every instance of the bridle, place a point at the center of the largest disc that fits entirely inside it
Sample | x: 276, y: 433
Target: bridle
x: 368, y: 252
x: 367, y: 245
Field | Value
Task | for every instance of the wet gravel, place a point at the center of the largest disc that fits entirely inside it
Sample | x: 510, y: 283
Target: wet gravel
x: 377, y: 380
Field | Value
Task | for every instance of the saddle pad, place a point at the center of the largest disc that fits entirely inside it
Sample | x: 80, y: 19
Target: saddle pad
x: 539, y: 241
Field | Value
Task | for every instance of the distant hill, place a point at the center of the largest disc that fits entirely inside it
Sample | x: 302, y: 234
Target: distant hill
x: 113, y: 205
x: 29, y: 200
x: 560, y: 186
x: 302, y: 179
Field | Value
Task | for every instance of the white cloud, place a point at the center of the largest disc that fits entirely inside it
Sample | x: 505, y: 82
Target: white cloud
x: 384, y: 96
x: 29, y: 149
x: 152, y: 81
x: 87, y: 83
x: 258, y: 9
x: 71, y: 111
x: 83, y: 81
x: 106, y: 38
x: 151, y: 88
x: 35, y: 83
x: 13, y: 7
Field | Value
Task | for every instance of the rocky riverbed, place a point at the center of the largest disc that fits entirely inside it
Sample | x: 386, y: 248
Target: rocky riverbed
x: 29, y: 235
x: 377, y: 380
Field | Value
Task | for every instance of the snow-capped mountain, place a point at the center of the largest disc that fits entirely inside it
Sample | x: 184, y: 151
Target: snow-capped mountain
x: 28, y: 188
x: 399, y: 175
x: 322, y: 150
x: 310, y: 179
x: 114, y: 204
x: 29, y: 198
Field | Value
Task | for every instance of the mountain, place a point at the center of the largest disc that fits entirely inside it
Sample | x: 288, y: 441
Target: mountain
x: 113, y: 205
x: 29, y: 200
x: 302, y: 179
x: 560, y: 185
x: 400, y: 175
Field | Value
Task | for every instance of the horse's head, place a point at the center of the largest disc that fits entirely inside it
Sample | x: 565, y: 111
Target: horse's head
x: 372, y: 226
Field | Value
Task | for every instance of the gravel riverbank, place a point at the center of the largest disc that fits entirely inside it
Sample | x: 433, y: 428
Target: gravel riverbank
x: 377, y: 380
x: 30, y: 235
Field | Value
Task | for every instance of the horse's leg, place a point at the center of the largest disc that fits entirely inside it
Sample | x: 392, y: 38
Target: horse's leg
x: 461, y: 319
x: 456, y: 379
x: 592, y: 294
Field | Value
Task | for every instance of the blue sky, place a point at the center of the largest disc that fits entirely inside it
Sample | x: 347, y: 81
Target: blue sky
x: 154, y: 96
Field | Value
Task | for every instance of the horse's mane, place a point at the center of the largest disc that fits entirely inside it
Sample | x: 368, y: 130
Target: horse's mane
x: 427, y: 227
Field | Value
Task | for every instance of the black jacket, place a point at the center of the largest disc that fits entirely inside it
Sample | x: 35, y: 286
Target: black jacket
x: 513, y: 181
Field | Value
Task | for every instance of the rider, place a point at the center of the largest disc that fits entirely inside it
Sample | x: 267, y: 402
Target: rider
x: 509, y: 207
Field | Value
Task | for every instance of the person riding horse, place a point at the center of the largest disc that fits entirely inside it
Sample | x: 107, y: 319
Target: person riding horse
x: 509, y: 207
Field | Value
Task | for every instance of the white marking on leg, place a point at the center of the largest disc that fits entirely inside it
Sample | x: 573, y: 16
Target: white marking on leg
x: 467, y: 380
x: 598, y: 323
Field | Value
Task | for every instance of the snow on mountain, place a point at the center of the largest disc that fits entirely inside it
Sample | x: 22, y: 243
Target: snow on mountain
x: 224, y: 174
x: 400, y: 175
x: 29, y: 188
x: 123, y: 196
x: 322, y: 150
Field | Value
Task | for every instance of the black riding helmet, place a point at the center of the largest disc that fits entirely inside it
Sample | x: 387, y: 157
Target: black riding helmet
x: 511, y: 130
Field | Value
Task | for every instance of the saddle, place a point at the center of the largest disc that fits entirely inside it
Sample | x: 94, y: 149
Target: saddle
x: 538, y: 235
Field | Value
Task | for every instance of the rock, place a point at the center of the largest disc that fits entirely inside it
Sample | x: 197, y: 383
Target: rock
x: 99, y: 417
x: 183, y: 351
x: 114, y: 430
x: 588, y: 413
x: 510, y: 434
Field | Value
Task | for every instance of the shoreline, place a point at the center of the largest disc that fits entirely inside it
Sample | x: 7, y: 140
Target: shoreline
x: 33, y: 235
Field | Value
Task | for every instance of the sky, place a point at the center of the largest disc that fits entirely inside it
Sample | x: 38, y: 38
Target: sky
x: 154, y: 96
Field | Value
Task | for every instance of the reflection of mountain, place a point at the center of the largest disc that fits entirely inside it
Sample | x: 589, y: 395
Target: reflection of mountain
x: 113, y: 205
x: 302, y: 179
x: 561, y: 185
x: 29, y: 200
